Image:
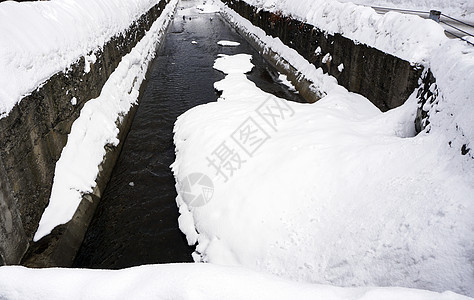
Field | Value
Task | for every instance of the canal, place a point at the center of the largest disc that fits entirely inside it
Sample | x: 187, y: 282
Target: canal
x: 136, y: 220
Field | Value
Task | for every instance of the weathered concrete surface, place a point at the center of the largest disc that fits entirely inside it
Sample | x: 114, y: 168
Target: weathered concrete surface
x: 33, y: 135
x: 11, y: 232
x: 384, y: 79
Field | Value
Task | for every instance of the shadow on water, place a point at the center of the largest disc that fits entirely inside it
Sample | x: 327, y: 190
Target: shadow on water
x: 136, y: 220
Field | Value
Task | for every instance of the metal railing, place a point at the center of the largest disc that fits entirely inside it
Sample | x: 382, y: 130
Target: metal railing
x: 437, y: 16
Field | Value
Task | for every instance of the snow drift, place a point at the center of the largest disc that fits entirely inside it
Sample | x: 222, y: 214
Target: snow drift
x: 335, y: 192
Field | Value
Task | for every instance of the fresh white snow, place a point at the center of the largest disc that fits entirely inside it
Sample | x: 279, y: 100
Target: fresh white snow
x: 41, y: 38
x: 183, y: 282
x: 96, y: 127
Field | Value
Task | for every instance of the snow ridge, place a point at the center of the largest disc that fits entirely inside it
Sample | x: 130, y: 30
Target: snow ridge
x: 182, y: 282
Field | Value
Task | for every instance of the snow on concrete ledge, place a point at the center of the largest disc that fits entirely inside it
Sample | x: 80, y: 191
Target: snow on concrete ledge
x: 96, y: 127
x: 41, y: 38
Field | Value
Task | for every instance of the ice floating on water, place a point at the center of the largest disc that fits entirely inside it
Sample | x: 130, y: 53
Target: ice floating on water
x: 228, y: 43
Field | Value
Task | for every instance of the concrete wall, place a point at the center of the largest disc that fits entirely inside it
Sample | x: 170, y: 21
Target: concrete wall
x: 384, y: 79
x: 33, y: 135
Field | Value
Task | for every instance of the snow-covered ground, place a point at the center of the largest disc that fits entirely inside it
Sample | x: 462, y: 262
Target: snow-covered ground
x: 183, y: 282
x: 41, y: 38
x: 334, y: 192
x: 96, y: 127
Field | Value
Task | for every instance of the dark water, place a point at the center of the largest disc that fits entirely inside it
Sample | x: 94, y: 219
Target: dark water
x: 136, y: 224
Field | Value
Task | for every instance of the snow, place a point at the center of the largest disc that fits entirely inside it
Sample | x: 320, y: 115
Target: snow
x: 182, y: 281
x: 96, y: 128
x: 453, y: 68
x: 318, y: 51
x: 327, y: 58
x: 41, y: 38
x: 89, y: 59
x: 340, y: 68
x: 406, y: 36
x: 228, y: 43
x: 284, y: 80
x: 460, y: 9
x: 334, y: 192
x: 235, y: 64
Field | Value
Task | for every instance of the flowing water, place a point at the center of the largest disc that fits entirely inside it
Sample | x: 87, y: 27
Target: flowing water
x: 136, y: 220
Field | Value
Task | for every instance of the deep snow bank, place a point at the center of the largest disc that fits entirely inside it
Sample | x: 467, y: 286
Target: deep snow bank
x: 182, y: 281
x: 334, y: 192
x: 41, y: 38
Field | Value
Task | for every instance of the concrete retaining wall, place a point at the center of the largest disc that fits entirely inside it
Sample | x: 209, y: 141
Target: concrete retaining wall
x: 32, y: 137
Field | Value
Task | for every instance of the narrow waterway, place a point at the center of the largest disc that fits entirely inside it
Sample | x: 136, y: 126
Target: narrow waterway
x: 136, y: 220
